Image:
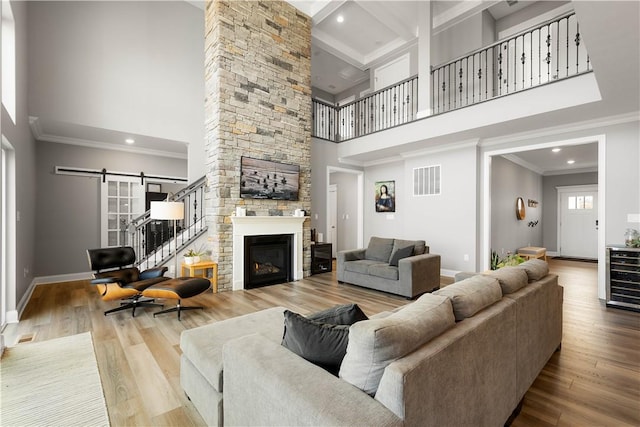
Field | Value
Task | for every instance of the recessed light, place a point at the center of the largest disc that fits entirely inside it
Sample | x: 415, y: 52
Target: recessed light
x: 556, y: 150
x: 571, y: 162
x: 340, y: 19
x: 129, y: 140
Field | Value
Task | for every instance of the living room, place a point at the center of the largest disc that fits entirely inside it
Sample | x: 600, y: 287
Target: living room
x: 456, y: 224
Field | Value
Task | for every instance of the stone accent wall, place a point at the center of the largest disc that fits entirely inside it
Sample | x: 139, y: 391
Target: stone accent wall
x: 258, y: 104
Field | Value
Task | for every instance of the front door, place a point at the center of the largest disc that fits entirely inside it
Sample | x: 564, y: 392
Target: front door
x: 578, y: 227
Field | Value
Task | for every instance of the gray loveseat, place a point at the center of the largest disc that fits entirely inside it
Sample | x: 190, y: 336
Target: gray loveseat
x: 401, y: 267
x: 464, y: 355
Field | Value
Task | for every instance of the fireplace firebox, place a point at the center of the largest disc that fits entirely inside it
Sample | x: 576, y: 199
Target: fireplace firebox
x: 267, y: 260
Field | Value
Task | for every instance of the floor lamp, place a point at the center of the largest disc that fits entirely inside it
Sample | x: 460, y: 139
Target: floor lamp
x: 169, y: 210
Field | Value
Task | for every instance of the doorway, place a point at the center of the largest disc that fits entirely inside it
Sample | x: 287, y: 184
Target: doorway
x: 485, y: 197
x: 349, y: 208
x: 8, y: 224
x: 578, y: 221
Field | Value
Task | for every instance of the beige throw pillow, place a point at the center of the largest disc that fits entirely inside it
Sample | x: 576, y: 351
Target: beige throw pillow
x: 472, y: 295
x: 511, y: 279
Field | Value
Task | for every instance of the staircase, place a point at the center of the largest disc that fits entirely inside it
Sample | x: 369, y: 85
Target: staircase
x: 153, y: 239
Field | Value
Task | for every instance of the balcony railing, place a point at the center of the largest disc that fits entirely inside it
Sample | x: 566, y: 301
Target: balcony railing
x: 548, y: 52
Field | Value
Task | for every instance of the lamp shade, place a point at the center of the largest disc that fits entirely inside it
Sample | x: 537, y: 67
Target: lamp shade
x: 167, y: 210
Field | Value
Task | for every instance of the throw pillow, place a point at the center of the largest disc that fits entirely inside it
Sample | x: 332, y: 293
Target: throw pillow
x: 375, y: 343
x: 346, y: 314
x: 400, y: 253
x: 379, y: 249
x: 320, y: 343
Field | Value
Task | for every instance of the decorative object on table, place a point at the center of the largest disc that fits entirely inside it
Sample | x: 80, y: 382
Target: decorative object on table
x: 385, y: 196
x: 509, y: 260
x: 264, y: 179
x: 193, y: 256
x: 632, y: 238
x: 520, y: 210
x: 169, y: 211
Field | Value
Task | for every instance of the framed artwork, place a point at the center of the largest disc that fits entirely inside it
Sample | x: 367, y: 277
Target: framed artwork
x: 154, y: 188
x: 385, y: 196
x: 265, y: 179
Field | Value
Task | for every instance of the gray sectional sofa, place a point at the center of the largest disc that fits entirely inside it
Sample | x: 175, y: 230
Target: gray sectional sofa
x: 464, y: 355
x: 401, y: 267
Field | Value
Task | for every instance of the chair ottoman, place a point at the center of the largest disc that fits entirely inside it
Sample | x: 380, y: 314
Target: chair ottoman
x: 178, y: 288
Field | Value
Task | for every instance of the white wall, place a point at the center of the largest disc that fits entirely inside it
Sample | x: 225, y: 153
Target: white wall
x: 446, y: 222
x: 134, y: 66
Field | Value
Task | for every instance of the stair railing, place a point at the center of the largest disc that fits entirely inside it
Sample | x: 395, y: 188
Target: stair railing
x: 153, y: 239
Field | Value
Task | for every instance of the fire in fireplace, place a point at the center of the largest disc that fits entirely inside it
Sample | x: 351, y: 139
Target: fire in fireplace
x: 267, y: 260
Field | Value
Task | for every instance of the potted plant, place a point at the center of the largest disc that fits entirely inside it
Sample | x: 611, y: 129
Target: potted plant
x: 192, y: 256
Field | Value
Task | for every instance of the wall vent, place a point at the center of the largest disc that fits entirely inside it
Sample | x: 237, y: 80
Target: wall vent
x: 426, y: 181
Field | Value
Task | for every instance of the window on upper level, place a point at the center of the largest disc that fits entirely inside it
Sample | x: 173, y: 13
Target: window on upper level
x: 8, y: 60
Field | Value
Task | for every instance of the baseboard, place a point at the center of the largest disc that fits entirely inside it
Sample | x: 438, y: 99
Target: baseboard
x: 15, y: 315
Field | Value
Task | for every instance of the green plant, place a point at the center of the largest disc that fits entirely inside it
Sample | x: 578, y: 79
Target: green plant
x: 509, y: 260
x: 197, y: 251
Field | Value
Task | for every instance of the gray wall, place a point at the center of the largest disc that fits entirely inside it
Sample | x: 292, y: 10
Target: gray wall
x: 133, y: 66
x: 19, y: 136
x: 460, y: 39
x: 550, y: 203
x: 68, y: 207
x: 508, y: 182
x: 347, y: 224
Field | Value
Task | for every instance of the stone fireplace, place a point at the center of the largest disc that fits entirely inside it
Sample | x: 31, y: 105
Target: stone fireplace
x: 258, y: 105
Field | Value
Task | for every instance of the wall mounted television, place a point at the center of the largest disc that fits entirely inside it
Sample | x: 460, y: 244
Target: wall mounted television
x: 264, y: 179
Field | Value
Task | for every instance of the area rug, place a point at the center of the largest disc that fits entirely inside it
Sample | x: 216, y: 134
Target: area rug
x: 54, y: 383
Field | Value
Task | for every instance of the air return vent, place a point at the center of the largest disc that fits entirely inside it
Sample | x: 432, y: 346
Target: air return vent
x: 426, y: 181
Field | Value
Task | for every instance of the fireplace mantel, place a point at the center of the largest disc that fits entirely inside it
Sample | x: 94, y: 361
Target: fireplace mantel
x: 261, y: 225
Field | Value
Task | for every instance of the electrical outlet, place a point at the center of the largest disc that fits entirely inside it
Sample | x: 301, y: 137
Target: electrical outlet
x: 466, y: 257
x: 26, y: 271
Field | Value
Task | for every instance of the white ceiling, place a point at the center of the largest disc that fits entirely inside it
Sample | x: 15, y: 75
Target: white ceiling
x: 373, y: 31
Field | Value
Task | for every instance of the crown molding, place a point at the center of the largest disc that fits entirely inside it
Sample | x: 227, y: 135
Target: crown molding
x: 518, y: 161
x: 38, y: 134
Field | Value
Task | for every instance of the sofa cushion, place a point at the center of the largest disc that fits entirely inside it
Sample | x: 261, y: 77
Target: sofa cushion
x: 361, y: 266
x: 471, y: 295
x: 375, y: 343
x: 379, y: 249
x: 384, y: 271
x: 419, y: 246
x: 203, y: 345
x: 536, y: 269
x: 322, y: 344
x: 345, y: 314
x: 511, y: 279
x: 398, y: 253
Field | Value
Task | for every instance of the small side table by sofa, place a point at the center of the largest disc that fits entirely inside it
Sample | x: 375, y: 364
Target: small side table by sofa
x: 202, y: 266
x: 533, y: 252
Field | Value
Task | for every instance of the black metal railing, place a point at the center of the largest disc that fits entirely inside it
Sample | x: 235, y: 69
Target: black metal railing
x: 545, y: 53
x: 388, y: 107
x: 548, y: 52
x: 153, y: 239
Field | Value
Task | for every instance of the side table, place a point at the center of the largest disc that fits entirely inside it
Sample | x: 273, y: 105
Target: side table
x: 203, y: 266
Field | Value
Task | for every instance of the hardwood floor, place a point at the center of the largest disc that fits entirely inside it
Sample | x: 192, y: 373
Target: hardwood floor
x: 593, y: 380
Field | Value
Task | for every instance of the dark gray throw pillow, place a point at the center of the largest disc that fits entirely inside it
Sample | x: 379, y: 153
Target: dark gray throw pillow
x: 345, y: 314
x: 405, y: 252
x: 322, y: 344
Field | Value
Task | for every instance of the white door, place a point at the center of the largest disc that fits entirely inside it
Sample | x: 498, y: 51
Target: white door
x: 578, y: 227
x: 122, y: 200
x: 332, y: 218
